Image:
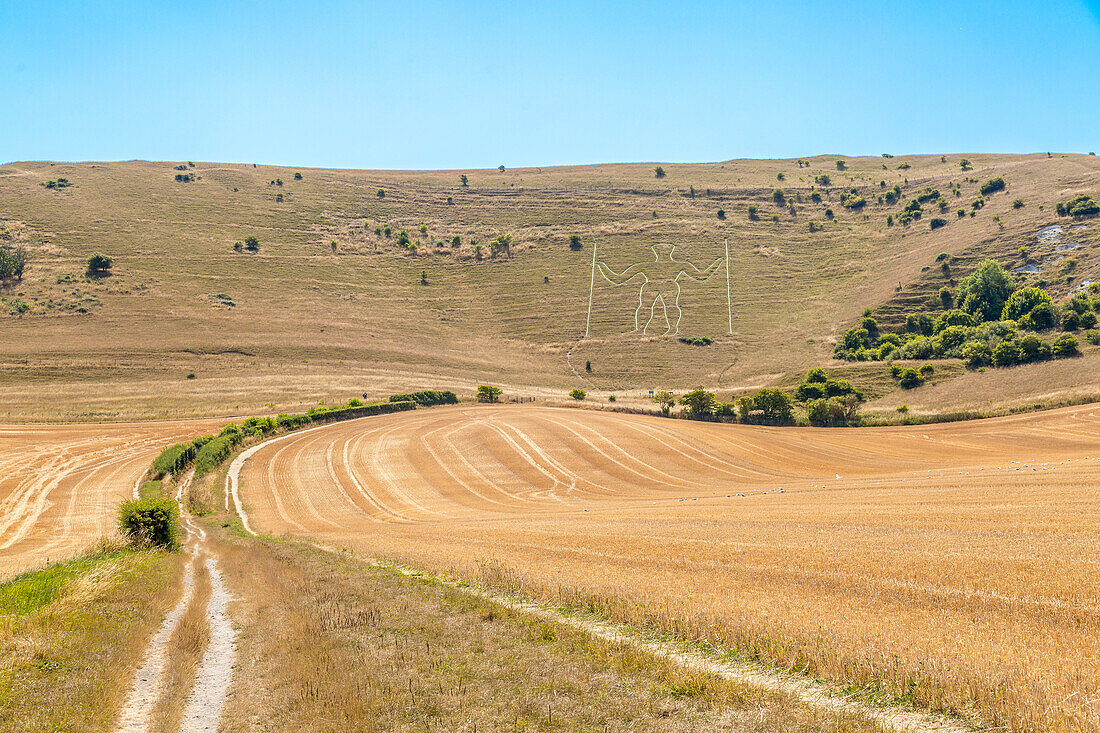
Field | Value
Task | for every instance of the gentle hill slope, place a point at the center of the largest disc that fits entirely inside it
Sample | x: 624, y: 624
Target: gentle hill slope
x: 327, y: 307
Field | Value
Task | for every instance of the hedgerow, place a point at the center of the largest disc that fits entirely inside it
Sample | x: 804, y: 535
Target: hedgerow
x: 427, y: 397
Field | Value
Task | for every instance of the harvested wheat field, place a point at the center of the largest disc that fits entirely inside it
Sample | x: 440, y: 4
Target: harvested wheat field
x: 60, y: 485
x: 950, y: 565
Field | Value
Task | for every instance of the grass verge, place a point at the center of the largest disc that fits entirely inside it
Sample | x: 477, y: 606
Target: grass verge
x: 71, y: 635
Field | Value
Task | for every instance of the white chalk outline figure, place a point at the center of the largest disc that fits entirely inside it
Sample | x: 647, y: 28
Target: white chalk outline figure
x: 618, y: 279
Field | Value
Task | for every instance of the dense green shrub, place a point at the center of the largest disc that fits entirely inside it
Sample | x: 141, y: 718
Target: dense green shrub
x: 488, y: 393
x: 983, y: 293
x: 822, y: 179
x: 99, y: 265
x: 771, y: 406
x: 575, y: 242
x: 1069, y: 321
x: 1024, y: 301
x: 578, y: 394
x: 174, y: 459
x: 910, y: 378
x: 852, y: 200
x: 698, y: 402
x: 1065, y: 345
x: 937, y: 223
x: 809, y: 391
x: 150, y: 522
x: 427, y: 397
x: 977, y: 354
x: 213, y: 453
x: 838, y: 388
x: 921, y: 323
x: 1082, y: 205
x: 1006, y: 353
x: 993, y: 185
x: 953, y: 318
x: 1093, y: 337
x: 696, y: 340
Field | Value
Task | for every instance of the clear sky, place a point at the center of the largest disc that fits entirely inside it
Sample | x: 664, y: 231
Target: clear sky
x: 403, y: 84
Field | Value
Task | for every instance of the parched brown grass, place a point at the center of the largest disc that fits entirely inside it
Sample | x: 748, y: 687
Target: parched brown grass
x: 60, y: 485
x: 67, y: 665
x: 951, y: 566
x: 298, y: 323
x: 332, y: 644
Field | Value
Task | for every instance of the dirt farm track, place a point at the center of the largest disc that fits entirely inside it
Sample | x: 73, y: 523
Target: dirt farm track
x: 961, y: 560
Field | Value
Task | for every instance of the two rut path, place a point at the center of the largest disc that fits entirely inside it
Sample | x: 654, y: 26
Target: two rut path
x: 210, y: 686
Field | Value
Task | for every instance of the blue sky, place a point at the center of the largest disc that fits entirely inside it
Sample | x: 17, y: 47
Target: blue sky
x: 467, y: 85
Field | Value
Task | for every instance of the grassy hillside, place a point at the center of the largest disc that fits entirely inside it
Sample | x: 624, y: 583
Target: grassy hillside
x: 303, y: 319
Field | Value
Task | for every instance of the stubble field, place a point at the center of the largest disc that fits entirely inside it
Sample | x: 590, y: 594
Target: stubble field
x: 60, y: 485
x: 950, y: 565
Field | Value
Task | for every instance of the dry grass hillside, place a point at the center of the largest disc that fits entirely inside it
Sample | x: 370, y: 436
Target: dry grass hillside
x: 328, y: 308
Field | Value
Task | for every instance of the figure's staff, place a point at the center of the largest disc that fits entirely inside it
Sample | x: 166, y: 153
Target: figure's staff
x: 592, y: 286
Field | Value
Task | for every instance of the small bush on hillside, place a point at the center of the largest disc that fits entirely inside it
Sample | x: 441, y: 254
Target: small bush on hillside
x: 578, y: 394
x: 841, y: 165
x: 753, y: 212
x: 722, y: 214
x: 150, y: 522
x: 977, y: 354
x: 659, y: 172
x: 815, y: 197
x: 575, y: 242
x: 1082, y: 205
x: 1093, y: 337
x: 1006, y: 354
x: 822, y: 179
x: 937, y: 223
x: 696, y: 340
x: 1069, y: 321
x: 778, y: 196
x: 1018, y: 204
x: 910, y: 378
x: 1064, y: 346
x: 993, y: 185
x: 252, y: 244
x: 852, y: 200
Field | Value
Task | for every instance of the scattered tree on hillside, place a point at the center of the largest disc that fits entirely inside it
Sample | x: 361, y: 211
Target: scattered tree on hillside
x: 252, y: 244
x: 575, y: 242
x: 297, y: 176
x: 500, y: 168
x: 99, y: 265
x: 488, y: 393
x: 659, y: 172
x: 12, y: 263
x: 464, y: 179
x: 965, y: 164
x: 983, y: 293
x: 381, y: 193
